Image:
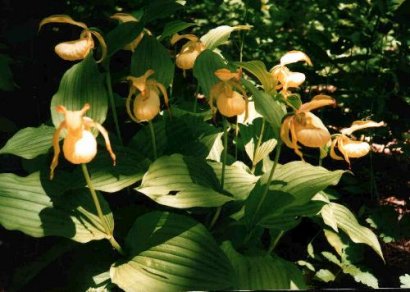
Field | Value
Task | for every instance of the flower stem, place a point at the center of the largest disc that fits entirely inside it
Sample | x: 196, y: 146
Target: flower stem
x: 154, y: 143
x: 111, y: 238
x: 266, y: 190
x: 112, y: 102
x: 224, y: 154
x: 275, y: 242
x: 258, y: 145
x: 225, y: 151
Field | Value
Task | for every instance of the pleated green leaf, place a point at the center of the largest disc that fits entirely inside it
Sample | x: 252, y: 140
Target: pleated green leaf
x: 186, y: 134
x: 267, y: 106
x: 182, y: 182
x: 219, y: 35
x: 151, y: 54
x: 170, y: 252
x: 129, y: 169
x: 27, y: 207
x: 258, y: 69
x: 82, y: 83
x: 261, y: 272
x: 30, y: 142
x: 173, y: 27
x: 338, y: 215
x: 122, y: 35
x: 204, y: 70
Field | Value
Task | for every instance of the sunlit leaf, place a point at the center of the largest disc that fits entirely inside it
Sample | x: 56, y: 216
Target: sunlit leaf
x: 405, y: 281
x: 262, y: 272
x: 269, y: 108
x: 151, y: 54
x: 169, y: 252
x: 220, y: 35
x: 30, y: 142
x: 325, y: 275
x: 25, y: 206
x: 258, y: 69
x: 82, y: 83
x: 187, y: 182
x: 346, y: 221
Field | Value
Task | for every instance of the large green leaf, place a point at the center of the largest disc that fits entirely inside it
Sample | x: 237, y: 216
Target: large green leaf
x: 30, y: 142
x: 293, y: 186
x: 262, y: 272
x: 173, y: 27
x: 338, y: 216
x: 169, y: 252
x: 267, y: 106
x: 82, y: 83
x: 219, y: 35
x: 185, y: 182
x: 122, y: 35
x: 182, y: 182
x: 258, y: 69
x: 151, y: 54
x: 129, y: 169
x: 26, y: 206
x: 204, y: 70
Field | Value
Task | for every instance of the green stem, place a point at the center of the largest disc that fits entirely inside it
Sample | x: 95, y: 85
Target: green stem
x: 154, y: 143
x: 225, y: 151
x: 258, y: 145
x: 111, y: 238
x: 275, y: 242
x: 266, y: 190
x: 224, y: 154
x: 112, y: 102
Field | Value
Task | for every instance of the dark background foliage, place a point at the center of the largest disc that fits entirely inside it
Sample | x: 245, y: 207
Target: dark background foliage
x: 360, y: 51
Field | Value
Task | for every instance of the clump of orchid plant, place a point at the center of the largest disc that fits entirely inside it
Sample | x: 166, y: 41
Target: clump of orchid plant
x: 80, y: 145
x: 304, y: 127
x: 76, y: 49
x: 351, y: 148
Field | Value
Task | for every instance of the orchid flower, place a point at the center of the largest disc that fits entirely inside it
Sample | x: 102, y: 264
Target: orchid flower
x: 304, y: 127
x: 348, y: 147
x: 80, y: 48
x: 189, y: 52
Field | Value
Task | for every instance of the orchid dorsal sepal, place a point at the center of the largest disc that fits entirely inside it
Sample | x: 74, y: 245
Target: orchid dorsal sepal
x: 358, y: 125
x: 318, y: 101
x: 141, y: 82
x: 177, y: 37
x: 293, y: 57
x: 61, y: 18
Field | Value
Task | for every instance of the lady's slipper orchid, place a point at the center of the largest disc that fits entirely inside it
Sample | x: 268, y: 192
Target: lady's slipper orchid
x: 77, y: 49
x: 351, y: 148
x: 80, y: 146
x: 228, y: 101
x: 125, y: 17
x: 306, y: 128
x: 146, y: 104
x: 189, y: 52
x: 286, y: 78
